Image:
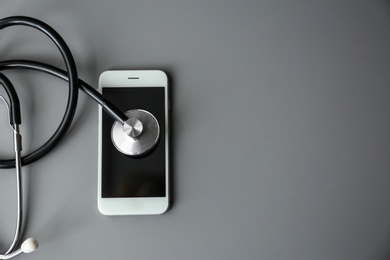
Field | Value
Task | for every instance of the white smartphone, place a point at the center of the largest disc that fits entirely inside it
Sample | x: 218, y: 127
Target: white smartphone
x: 134, y: 184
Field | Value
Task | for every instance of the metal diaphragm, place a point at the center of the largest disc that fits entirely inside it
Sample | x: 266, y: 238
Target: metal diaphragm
x: 138, y: 135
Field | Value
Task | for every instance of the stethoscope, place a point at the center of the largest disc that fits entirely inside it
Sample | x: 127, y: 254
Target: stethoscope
x: 126, y: 131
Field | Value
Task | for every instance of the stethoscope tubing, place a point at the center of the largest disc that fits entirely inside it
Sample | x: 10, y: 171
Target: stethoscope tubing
x: 14, y: 115
x: 73, y: 87
x: 112, y: 110
x: 69, y: 75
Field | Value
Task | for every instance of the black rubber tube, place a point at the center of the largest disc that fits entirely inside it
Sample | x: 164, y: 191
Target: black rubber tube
x: 14, y: 113
x: 110, y: 109
x: 73, y: 87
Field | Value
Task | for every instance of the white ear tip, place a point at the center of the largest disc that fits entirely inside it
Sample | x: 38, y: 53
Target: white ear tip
x: 29, y: 245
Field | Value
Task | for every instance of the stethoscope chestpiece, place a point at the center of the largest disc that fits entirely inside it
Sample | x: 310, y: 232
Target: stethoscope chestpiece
x: 138, y: 135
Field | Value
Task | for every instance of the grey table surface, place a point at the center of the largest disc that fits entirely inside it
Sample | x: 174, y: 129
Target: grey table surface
x: 280, y: 126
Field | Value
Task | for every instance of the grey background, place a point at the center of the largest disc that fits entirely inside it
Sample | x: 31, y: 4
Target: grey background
x: 280, y: 128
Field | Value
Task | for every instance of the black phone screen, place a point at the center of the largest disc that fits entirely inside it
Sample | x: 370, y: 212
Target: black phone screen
x: 124, y: 176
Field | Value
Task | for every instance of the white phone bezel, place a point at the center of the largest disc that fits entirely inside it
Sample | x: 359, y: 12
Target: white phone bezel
x: 144, y: 205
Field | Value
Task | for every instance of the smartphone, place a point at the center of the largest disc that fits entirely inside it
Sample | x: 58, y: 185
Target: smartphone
x: 134, y: 184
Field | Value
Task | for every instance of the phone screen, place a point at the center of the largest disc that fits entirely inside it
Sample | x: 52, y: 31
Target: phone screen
x: 128, y: 177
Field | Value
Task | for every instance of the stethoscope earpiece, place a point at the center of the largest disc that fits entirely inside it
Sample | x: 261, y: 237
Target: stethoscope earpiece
x: 28, y: 246
x: 13, y: 107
